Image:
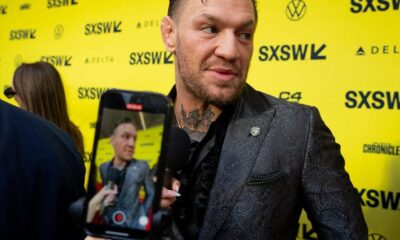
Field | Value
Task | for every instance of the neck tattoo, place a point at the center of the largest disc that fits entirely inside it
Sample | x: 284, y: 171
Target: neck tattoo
x: 195, y: 122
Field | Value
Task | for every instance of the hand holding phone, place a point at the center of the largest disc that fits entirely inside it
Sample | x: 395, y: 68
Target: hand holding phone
x: 105, y: 196
x: 168, y: 196
x: 129, y: 154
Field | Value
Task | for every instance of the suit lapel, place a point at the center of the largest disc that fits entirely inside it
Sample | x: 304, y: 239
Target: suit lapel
x: 240, y: 149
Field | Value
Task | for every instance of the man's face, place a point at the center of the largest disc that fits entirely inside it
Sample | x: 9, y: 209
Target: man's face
x: 123, y: 140
x: 214, y: 45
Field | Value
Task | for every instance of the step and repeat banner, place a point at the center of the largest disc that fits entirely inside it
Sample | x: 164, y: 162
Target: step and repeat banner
x: 340, y: 56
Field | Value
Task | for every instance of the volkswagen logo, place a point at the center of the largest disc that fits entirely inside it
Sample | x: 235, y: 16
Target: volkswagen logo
x: 376, y: 236
x: 296, y: 9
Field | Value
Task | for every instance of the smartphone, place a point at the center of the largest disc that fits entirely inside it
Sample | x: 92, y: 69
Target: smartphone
x: 127, y: 164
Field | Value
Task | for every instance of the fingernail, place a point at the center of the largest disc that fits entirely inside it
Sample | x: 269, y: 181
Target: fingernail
x: 176, y: 194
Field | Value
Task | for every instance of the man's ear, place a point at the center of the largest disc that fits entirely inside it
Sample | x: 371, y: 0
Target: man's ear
x: 168, y: 33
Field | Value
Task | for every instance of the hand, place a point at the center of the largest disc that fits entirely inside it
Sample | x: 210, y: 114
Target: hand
x: 109, y: 195
x: 168, y: 196
x: 105, y: 196
x: 94, y: 238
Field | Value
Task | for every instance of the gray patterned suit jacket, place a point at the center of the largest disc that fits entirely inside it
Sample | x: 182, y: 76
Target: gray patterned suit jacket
x: 137, y: 175
x: 265, y: 179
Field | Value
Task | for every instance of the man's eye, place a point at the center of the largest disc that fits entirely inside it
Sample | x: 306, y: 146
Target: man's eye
x: 245, y: 36
x: 209, y: 29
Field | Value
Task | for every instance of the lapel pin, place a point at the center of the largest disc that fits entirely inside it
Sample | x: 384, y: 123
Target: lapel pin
x: 255, y: 131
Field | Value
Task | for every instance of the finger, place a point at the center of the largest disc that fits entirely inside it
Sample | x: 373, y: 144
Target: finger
x: 175, y: 184
x: 169, y: 194
x: 95, y: 238
x: 167, y: 203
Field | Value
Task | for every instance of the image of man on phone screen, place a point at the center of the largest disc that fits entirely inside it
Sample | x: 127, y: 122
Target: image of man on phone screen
x: 123, y: 177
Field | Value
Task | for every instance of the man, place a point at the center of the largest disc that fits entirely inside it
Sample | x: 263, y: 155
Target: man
x: 128, y: 175
x: 256, y: 161
x: 41, y: 174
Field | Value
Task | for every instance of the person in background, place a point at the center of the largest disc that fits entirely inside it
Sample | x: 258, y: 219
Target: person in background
x: 41, y: 174
x: 38, y: 88
x: 256, y: 161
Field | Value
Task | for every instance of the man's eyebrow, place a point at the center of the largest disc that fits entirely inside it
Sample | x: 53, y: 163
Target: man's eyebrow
x: 212, y: 18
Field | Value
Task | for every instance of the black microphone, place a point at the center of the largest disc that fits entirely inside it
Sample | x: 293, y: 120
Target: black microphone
x: 113, y: 178
x: 178, y: 153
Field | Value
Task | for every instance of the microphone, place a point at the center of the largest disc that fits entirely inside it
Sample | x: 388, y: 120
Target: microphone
x: 113, y: 178
x: 178, y: 153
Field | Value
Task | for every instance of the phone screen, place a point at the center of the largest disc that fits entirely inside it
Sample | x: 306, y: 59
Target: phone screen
x: 126, y: 161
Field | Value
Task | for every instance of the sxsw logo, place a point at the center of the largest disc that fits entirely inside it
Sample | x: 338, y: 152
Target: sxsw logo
x: 362, y: 6
x: 296, y: 9
x: 60, y: 61
x: 61, y: 3
x: 378, y: 50
x: 373, y: 100
x: 374, y: 198
x: 103, y: 28
x: 23, y: 34
x: 3, y: 9
x: 154, y: 58
x: 91, y: 93
x: 293, y: 52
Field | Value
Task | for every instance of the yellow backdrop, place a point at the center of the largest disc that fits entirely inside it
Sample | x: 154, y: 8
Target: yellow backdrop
x: 341, y: 56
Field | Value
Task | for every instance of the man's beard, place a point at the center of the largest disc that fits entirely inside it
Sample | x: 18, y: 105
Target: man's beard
x: 195, y: 85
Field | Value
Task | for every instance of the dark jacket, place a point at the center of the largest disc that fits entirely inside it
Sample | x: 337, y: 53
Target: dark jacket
x: 41, y: 174
x: 277, y: 159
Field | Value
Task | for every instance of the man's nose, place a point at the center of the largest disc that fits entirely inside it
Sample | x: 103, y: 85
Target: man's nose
x: 227, y: 46
x: 131, y: 141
